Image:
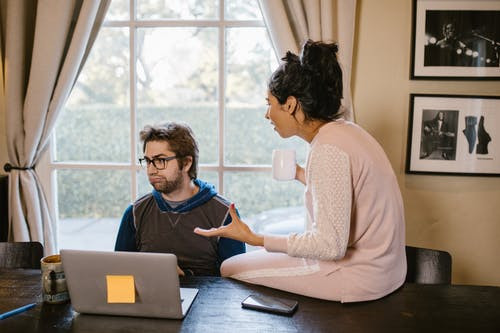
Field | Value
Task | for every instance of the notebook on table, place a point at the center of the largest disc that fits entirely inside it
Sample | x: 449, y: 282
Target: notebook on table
x: 126, y: 284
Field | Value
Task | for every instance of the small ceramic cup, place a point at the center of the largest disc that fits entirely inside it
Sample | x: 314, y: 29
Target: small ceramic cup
x: 284, y: 164
x: 54, y: 288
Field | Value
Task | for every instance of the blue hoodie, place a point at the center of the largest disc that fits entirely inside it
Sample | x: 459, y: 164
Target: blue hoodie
x: 128, y: 236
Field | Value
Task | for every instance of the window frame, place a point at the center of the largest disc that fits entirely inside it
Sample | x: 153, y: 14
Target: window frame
x: 47, y: 168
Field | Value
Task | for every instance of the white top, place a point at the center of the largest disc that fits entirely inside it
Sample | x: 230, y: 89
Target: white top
x: 355, y: 214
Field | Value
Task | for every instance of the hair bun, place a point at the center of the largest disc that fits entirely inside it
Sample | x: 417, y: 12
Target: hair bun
x: 314, y: 53
x: 290, y: 57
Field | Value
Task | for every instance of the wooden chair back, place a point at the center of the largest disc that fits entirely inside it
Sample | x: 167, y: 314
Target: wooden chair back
x: 20, y: 254
x: 428, y: 266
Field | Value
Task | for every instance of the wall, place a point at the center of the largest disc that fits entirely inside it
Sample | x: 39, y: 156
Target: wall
x: 458, y: 214
x: 3, y: 135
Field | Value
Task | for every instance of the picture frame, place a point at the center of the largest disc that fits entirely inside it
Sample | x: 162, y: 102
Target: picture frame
x: 453, y: 135
x: 456, y: 40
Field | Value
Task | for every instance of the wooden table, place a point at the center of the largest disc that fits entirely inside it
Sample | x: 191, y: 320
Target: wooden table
x: 412, y: 308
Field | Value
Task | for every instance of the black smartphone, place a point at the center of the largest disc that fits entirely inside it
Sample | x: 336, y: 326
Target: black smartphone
x: 270, y: 304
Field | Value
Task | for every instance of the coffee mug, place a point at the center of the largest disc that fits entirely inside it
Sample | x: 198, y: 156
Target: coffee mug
x: 284, y: 164
x: 54, y: 288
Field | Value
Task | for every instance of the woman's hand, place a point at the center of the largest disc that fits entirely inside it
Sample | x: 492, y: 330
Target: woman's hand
x: 300, y: 174
x: 237, y: 230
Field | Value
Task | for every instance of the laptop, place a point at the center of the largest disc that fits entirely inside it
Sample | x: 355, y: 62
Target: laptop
x: 137, y: 284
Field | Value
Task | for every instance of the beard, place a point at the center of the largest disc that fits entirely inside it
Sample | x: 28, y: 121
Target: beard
x: 168, y: 186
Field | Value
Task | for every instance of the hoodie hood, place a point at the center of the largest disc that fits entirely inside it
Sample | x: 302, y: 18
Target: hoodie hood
x: 206, y: 192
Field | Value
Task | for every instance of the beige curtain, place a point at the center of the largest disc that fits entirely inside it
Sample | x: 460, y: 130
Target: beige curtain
x: 44, y: 45
x: 291, y: 22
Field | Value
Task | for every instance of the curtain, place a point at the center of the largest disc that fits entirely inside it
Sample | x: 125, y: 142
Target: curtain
x: 44, y: 45
x: 292, y: 22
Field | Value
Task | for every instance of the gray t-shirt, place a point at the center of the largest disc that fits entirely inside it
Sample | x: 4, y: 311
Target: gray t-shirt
x: 172, y: 232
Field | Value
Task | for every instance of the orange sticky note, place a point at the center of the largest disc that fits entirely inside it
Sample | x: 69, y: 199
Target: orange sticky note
x: 121, y: 288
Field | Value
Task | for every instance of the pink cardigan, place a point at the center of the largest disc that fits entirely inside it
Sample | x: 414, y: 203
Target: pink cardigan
x: 374, y: 263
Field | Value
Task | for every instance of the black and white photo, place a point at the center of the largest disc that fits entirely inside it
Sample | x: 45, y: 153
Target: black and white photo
x: 456, y: 39
x: 454, y: 134
x: 438, y: 137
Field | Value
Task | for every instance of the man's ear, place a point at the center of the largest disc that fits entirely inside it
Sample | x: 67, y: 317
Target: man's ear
x: 188, y: 161
x: 291, y: 105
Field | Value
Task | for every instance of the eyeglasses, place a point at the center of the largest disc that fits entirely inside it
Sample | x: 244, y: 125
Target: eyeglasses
x: 159, y: 162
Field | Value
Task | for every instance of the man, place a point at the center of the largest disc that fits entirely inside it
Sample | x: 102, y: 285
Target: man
x: 164, y: 220
x: 436, y: 133
x: 452, y: 50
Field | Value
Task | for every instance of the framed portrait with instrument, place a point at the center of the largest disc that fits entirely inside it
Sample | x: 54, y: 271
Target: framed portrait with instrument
x: 456, y: 39
x: 454, y: 134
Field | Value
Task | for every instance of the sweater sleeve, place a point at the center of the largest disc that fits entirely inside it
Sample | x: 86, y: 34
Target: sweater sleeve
x: 329, y: 178
x: 125, y: 240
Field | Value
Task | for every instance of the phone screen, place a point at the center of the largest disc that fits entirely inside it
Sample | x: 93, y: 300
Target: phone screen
x: 270, y: 304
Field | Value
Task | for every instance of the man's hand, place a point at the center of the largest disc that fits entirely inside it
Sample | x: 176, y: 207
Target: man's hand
x: 237, y: 230
x: 180, y: 271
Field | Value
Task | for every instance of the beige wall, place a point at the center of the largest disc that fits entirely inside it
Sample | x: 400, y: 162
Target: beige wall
x: 3, y: 136
x: 458, y: 214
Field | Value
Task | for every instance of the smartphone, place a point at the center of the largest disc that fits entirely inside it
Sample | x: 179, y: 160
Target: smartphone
x: 270, y: 304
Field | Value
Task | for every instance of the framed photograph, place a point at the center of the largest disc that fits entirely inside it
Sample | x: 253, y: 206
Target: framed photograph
x: 456, y: 39
x: 454, y: 134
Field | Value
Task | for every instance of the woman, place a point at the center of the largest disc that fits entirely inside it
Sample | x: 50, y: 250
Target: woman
x: 354, y: 246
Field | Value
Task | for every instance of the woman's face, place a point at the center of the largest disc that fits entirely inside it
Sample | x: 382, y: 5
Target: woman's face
x: 279, y: 114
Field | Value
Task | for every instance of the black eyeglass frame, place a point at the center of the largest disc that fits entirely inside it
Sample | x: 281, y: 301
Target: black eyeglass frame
x: 155, y: 160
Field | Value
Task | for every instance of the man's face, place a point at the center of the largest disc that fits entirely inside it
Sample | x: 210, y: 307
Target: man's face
x: 449, y: 31
x: 169, y: 179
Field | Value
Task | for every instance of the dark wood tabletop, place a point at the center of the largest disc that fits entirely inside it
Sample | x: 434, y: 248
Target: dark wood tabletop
x: 217, y: 308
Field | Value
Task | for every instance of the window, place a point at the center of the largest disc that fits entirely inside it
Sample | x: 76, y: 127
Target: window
x: 205, y: 62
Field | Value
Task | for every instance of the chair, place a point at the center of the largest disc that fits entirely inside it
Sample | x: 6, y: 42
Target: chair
x: 428, y: 266
x: 20, y: 254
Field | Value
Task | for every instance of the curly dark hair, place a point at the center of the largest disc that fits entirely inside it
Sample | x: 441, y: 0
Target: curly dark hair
x: 314, y: 79
x: 180, y: 139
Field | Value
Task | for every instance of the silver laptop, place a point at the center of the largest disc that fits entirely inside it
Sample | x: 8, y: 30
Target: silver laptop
x: 156, y: 282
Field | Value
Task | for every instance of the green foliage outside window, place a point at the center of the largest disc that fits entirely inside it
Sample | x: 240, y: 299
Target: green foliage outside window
x: 101, y: 133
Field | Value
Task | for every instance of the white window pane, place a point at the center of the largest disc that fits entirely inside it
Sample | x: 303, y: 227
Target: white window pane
x: 243, y: 10
x: 177, y: 72
x: 95, y: 133
x: 92, y: 193
x: 177, y: 66
x: 105, y: 76
x: 177, y: 9
x: 250, y: 139
x: 250, y: 61
x: 118, y: 10
x: 91, y: 203
x: 95, y: 123
x: 256, y: 193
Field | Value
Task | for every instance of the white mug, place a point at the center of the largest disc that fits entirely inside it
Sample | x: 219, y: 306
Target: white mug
x: 284, y: 164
